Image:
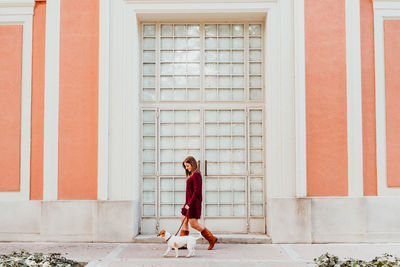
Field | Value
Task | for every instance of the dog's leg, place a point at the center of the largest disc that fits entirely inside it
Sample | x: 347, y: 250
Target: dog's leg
x: 166, y: 252
x: 176, y: 252
x: 190, y: 247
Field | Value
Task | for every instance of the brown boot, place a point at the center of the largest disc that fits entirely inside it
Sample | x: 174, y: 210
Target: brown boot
x: 183, y: 233
x: 210, y: 238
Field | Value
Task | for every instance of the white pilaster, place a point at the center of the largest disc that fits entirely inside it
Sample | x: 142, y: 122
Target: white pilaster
x: 300, y: 99
x: 287, y: 182
x: 51, y: 101
x: 104, y: 100
x: 272, y: 86
x: 354, y: 99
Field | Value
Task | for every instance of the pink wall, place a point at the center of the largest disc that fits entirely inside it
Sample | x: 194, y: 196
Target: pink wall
x: 368, y: 97
x: 78, y: 110
x: 10, y: 106
x: 392, y: 79
x: 38, y: 51
x: 326, y: 100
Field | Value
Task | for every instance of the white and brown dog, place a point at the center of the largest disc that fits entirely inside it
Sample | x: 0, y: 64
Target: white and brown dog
x: 175, y: 242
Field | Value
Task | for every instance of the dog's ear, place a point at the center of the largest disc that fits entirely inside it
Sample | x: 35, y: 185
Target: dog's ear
x: 162, y: 233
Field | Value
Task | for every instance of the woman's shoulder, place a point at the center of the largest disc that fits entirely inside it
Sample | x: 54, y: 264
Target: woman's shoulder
x: 196, y: 174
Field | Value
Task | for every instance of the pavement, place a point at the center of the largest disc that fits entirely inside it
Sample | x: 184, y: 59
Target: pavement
x: 145, y: 254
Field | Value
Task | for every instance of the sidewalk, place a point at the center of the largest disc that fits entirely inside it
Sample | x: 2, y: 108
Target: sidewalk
x: 129, y: 254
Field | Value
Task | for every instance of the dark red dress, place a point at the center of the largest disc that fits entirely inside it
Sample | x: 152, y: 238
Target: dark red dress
x: 193, y: 196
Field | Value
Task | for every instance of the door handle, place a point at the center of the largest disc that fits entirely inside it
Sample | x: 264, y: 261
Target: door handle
x: 205, y: 168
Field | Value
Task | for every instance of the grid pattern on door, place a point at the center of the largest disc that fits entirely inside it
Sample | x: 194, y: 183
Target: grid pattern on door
x: 183, y: 61
x: 149, y: 167
x: 188, y: 70
x: 149, y: 62
x: 256, y: 141
x: 180, y: 62
x: 225, y: 196
x: 255, y: 62
x: 225, y: 145
x: 172, y: 195
x: 233, y: 172
x: 224, y: 62
x: 179, y: 136
x: 149, y: 142
x: 256, y: 196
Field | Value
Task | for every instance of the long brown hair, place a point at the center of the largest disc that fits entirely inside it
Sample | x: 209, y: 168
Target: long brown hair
x: 192, y: 161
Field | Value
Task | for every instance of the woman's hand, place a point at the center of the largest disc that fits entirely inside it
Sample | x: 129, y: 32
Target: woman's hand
x: 186, y: 207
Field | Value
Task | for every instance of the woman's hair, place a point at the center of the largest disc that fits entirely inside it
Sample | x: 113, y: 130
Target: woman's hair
x: 191, y: 160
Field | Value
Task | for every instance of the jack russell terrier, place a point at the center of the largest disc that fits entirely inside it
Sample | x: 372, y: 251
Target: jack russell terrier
x: 175, y: 242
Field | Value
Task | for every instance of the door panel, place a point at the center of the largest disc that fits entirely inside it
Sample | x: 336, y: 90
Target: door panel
x: 225, y: 142
x: 231, y: 150
x: 179, y: 136
x: 202, y: 95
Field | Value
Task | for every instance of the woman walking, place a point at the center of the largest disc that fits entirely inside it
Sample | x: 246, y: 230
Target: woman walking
x: 192, y: 207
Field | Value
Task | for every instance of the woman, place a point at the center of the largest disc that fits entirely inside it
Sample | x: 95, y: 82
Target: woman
x: 192, y: 207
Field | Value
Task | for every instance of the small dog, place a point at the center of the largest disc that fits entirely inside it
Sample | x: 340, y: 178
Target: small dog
x: 175, y: 242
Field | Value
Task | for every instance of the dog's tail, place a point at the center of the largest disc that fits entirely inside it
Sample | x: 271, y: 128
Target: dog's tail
x: 199, y: 236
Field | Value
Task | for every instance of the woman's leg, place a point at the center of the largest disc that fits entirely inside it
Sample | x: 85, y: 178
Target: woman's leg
x: 194, y: 223
x: 185, y: 225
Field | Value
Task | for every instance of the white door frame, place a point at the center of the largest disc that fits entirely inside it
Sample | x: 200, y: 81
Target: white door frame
x: 123, y: 179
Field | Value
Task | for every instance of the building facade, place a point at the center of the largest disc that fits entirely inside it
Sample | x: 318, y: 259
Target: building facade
x: 289, y: 106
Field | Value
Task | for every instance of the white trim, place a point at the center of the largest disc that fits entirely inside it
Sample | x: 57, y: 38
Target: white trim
x: 51, y: 101
x: 300, y: 99
x: 16, y: 7
x: 26, y: 75
x: 382, y: 10
x: 285, y: 186
x: 131, y: 108
x: 354, y: 99
x: 163, y: 9
x: 272, y: 85
x: 104, y: 100
x: 157, y: 2
x: 17, y: 3
x: 386, y: 5
x: 124, y: 153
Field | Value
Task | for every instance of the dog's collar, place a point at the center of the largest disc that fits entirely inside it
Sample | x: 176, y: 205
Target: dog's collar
x: 168, y: 238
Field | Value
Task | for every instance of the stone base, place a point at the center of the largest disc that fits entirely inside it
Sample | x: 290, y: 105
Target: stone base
x: 334, y: 220
x: 67, y: 221
x: 289, y: 220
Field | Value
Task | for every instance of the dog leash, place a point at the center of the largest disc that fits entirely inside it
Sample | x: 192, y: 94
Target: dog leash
x: 186, y: 216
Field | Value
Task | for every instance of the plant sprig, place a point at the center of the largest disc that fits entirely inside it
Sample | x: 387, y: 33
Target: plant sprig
x: 386, y: 260
x: 24, y: 258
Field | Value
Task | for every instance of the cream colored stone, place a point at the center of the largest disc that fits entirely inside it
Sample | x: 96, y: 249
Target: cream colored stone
x: 337, y: 216
x: 20, y: 217
x: 68, y: 218
x: 383, y: 214
x: 114, y: 221
x: 290, y: 220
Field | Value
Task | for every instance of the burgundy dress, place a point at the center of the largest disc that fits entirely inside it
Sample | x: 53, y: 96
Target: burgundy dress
x: 193, y: 196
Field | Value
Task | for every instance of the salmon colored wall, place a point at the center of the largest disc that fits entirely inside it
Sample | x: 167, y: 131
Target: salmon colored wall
x: 10, y: 106
x: 392, y: 80
x: 326, y: 100
x: 38, y: 52
x: 368, y: 97
x: 78, y: 109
